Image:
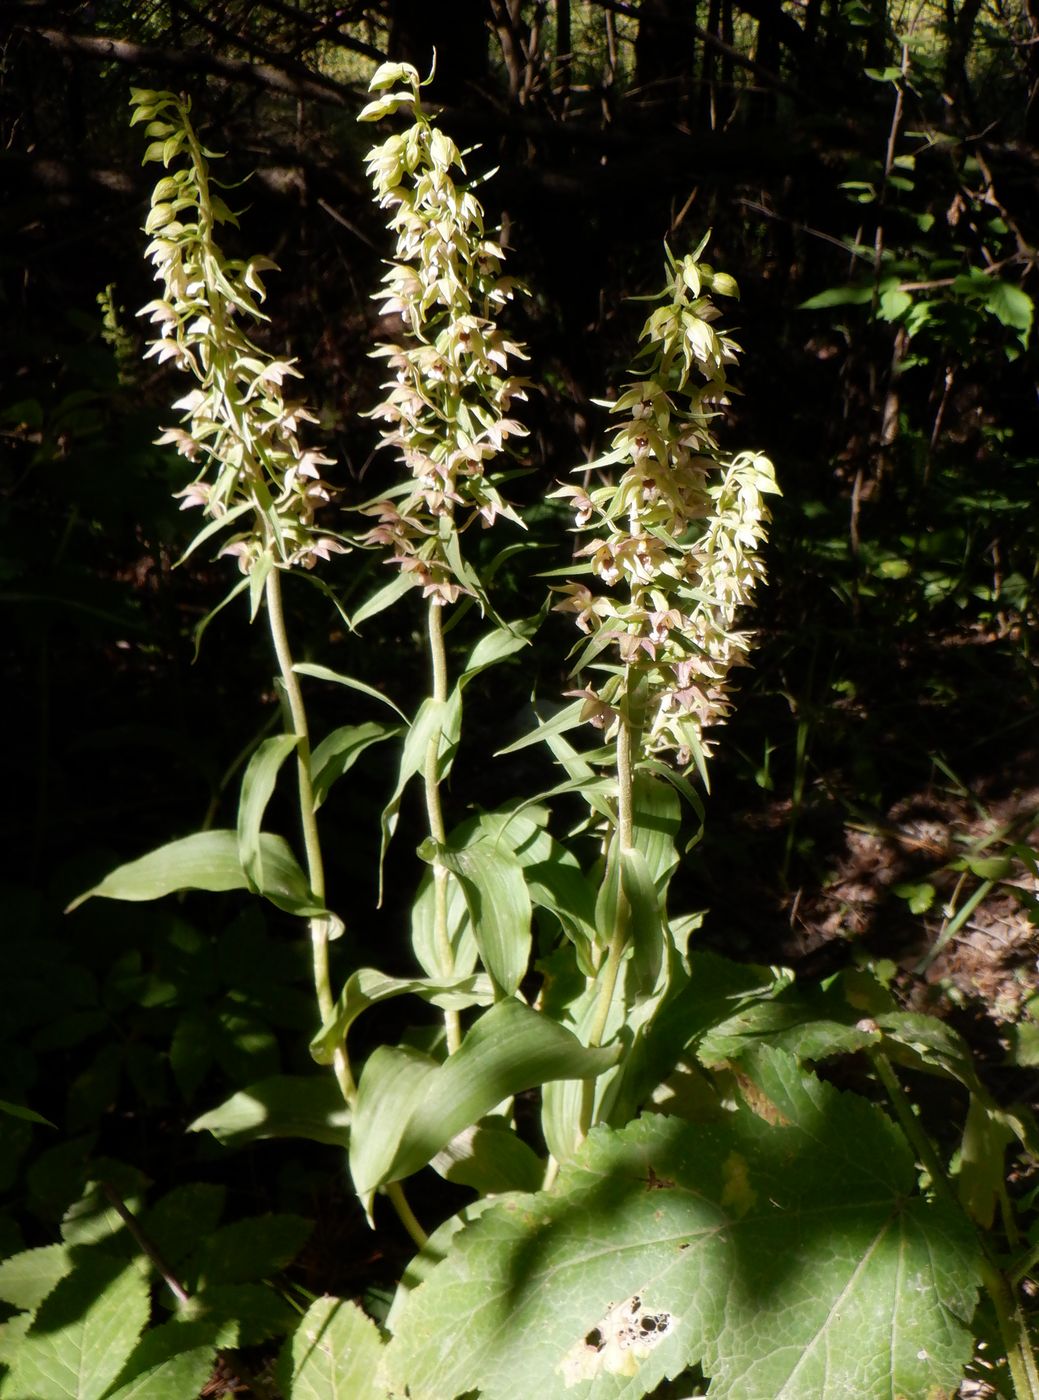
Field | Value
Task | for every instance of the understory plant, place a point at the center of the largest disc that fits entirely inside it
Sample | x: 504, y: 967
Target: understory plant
x: 666, y: 1194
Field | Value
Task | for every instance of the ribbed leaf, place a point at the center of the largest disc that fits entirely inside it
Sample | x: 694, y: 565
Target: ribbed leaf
x: 258, y: 782
x: 26, y: 1278
x: 367, y: 986
x: 334, y: 1354
x: 498, y: 902
x: 409, y: 1106
x: 784, y: 1249
x: 172, y: 1362
x: 209, y: 860
x: 83, y: 1333
x: 285, y: 1105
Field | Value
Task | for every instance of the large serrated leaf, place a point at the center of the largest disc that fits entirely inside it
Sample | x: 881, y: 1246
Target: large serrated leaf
x: 26, y: 1278
x: 172, y: 1362
x: 334, y: 1354
x: 248, y: 1250
x: 83, y: 1333
x: 784, y: 1249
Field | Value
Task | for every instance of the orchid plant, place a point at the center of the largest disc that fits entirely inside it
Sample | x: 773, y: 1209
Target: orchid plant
x: 686, y: 1203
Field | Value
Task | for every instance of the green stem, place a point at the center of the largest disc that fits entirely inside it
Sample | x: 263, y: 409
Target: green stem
x: 308, y: 821
x: 1012, y: 1328
x: 435, y: 817
x: 623, y: 838
x: 395, y: 1192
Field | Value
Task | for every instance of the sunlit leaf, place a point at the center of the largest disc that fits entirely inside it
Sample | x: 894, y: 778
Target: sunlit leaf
x: 283, y: 1106
x: 257, y: 789
x: 409, y: 1106
x: 334, y: 1354
x: 82, y: 1334
x: 784, y: 1249
x: 366, y: 987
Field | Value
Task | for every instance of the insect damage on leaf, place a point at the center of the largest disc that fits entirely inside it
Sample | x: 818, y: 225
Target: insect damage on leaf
x: 624, y: 1336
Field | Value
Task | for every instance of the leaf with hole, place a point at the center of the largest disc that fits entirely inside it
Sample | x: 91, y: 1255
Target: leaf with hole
x: 784, y: 1249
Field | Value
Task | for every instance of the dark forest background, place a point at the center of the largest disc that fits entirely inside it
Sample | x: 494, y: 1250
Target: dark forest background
x: 870, y: 173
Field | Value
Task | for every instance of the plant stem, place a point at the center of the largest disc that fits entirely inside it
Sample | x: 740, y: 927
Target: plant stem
x: 623, y: 837
x: 395, y: 1192
x: 435, y: 817
x: 144, y: 1243
x: 308, y: 820
x: 1012, y: 1329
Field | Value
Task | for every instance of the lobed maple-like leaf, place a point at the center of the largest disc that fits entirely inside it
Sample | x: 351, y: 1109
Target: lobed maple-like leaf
x: 786, y: 1250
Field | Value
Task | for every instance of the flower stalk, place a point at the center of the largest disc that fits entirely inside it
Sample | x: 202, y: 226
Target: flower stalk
x: 241, y: 432
x: 446, y: 407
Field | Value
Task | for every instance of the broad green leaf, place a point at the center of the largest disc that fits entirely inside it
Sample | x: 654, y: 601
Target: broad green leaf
x: 334, y: 1354
x: 893, y: 302
x: 367, y: 986
x: 490, y: 1158
x: 248, y: 1313
x: 784, y: 1249
x: 608, y: 906
x: 810, y: 1023
x: 658, y: 816
x: 497, y: 646
x: 424, y: 941
x: 208, y: 860
x: 986, y: 1136
x: 257, y: 789
x: 646, y: 926
x: 1012, y: 307
x: 82, y: 1334
x: 496, y: 896
x: 393, y: 1082
x: 323, y: 673
x: 27, y: 1278
x: 409, y: 1107
x: 432, y: 1253
x: 93, y: 1218
x: 172, y: 1362
x: 924, y: 1042
x: 339, y: 751
x: 283, y: 1106
x: 184, y: 1215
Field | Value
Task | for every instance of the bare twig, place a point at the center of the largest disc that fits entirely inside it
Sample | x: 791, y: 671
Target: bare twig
x: 283, y: 78
x: 144, y: 1243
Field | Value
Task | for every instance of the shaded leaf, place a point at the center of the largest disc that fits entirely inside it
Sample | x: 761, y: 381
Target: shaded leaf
x: 172, y: 1362
x: 82, y: 1334
x: 784, y: 1250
